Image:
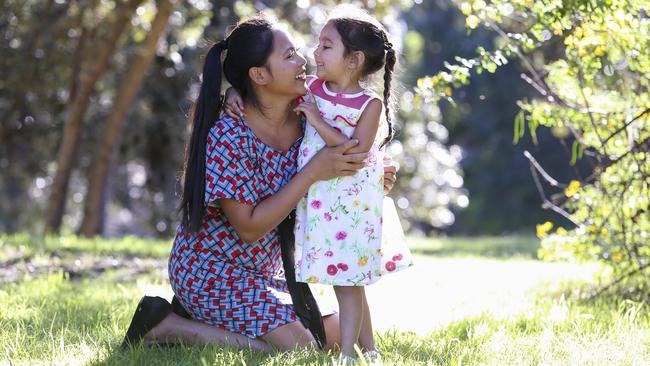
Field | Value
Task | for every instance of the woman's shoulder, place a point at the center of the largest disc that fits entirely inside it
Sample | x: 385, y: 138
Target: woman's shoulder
x: 229, y: 127
x: 229, y: 131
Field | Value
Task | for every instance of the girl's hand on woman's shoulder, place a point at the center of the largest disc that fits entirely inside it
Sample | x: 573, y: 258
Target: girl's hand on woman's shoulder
x: 310, y: 110
x: 233, y: 104
x: 332, y: 162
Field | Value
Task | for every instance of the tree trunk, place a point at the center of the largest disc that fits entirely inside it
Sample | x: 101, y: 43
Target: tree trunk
x: 72, y: 127
x: 93, y: 209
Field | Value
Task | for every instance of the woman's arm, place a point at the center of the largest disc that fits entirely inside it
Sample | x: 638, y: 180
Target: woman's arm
x: 252, y: 222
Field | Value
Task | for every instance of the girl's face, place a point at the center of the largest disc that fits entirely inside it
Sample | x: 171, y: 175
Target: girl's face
x: 286, y: 67
x: 329, y: 55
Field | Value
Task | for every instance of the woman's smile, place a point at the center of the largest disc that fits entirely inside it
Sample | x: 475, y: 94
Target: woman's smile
x: 302, y: 76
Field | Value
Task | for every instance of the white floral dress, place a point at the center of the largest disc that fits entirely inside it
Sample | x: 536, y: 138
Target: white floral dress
x: 342, y: 238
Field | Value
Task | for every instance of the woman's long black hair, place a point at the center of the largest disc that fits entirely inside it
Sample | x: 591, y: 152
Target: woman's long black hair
x: 248, y: 45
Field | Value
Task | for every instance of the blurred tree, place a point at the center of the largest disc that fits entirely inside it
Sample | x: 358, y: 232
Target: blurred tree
x: 429, y: 190
x: 93, y: 218
x: 140, y: 189
x: 502, y: 196
x: 33, y: 94
x: 68, y: 147
x: 598, y: 93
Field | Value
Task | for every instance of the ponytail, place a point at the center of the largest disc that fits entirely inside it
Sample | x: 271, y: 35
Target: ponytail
x: 389, y: 67
x: 204, y: 114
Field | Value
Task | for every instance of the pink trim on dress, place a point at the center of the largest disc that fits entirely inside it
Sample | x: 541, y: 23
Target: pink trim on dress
x: 357, y: 102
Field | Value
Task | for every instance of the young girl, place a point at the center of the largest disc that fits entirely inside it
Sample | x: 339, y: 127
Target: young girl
x: 341, y: 230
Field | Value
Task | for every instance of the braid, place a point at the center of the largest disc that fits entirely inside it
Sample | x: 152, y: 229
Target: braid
x: 388, y: 75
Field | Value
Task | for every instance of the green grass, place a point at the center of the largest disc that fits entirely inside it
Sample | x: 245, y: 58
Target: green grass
x: 18, y: 246
x: 53, y: 319
x: 517, y: 246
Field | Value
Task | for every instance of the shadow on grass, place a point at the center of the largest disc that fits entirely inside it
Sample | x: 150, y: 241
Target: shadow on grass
x: 24, y: 245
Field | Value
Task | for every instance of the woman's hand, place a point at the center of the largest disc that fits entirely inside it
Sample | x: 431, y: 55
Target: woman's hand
x: 233, y: 105
x: 390, y: 173
x: 331, y: 162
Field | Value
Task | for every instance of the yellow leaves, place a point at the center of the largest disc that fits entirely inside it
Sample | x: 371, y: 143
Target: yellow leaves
x: 448, y: 91
x: 617, y: 257
x: 466, y: 8
x: 599, y: 51
x: 472, y: 22
x: 582, y: 52
x: 561, y: 231
x: 557, y: 28
x: 543, y: 229
x: 479, y: 5
x: 425, y: 83
x: 587, y: 41
x: 572, y: 189
x: 594, y: 229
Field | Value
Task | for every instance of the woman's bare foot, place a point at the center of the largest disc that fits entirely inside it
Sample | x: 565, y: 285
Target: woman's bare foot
x: 176, y: 329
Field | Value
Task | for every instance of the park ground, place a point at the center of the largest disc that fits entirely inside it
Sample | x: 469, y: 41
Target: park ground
x: 467, y: 301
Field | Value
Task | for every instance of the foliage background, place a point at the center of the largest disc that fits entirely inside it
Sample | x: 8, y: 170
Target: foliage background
x: 461, y: 171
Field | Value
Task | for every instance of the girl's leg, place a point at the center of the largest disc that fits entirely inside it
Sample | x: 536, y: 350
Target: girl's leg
x: 366, y: 337
x: 178, y: 329
x: 351, y: 310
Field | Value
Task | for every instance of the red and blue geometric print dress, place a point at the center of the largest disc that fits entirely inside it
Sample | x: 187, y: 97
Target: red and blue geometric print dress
x: 219, y: 279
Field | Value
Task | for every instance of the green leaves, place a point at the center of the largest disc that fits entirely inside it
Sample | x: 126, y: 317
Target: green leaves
x: 576, y: 152
x: 519, y: 127
x: 590, y: 65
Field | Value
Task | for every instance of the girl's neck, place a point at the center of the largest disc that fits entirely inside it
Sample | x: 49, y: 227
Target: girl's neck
x: 349, y: 86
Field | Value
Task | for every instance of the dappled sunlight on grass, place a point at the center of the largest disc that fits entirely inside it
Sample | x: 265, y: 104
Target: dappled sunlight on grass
x: 446, y: 310
x: 436, y: 291
x: 55, y: 312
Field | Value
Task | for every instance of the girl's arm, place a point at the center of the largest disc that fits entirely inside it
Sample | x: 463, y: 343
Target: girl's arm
x: 365, y: 131
x: 234, y: 105
x: 252, y: 222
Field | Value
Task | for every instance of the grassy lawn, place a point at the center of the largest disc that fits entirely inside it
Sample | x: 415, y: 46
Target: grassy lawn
x: 483, y: 301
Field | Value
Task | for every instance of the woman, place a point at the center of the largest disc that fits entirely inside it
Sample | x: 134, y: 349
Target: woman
x: 240, y: 183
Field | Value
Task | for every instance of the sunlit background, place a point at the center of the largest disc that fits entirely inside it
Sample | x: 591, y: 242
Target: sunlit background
x: 460, y: 172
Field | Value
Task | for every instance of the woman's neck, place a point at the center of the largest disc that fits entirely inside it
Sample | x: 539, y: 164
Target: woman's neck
x: 274, y: 113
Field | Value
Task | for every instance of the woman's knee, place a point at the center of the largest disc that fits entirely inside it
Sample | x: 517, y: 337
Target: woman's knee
x: 332, y: 331
x: 290, y: 336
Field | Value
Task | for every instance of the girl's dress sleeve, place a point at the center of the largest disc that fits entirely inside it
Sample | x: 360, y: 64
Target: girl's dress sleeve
x: 229, y: 166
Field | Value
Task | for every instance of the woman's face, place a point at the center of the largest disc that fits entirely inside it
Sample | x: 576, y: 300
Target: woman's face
x: 286, y: 67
